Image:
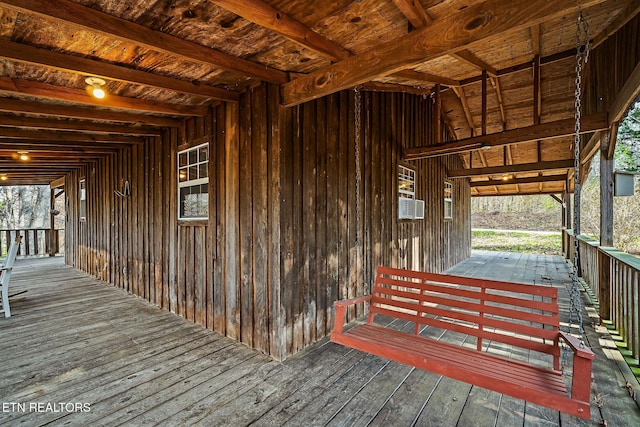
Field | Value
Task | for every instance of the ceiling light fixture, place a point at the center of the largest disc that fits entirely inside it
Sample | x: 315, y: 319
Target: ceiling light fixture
x: 3, y: 177
x: 95, y: 87
x: 24, y: 155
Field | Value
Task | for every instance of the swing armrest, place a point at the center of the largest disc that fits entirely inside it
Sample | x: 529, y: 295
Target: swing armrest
x: 338, y: 323
x: 581, y: 376
x: 579, y: 349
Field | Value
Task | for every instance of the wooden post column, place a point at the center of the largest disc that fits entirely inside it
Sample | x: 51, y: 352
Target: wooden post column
x: 606, y: 191
x: 52, y: 224
x: 606, y: 223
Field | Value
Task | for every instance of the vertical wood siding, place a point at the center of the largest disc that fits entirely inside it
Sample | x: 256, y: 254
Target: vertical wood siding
x: 602, y: 79
x: 280, y: 242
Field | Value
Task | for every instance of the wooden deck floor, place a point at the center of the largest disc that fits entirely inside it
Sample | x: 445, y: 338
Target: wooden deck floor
x: 75, y: 341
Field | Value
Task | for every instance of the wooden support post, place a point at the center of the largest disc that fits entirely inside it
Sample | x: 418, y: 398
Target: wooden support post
x: 51, y: 241
x: 604, y: 285
x: 606, y: 191
x: 438, y: 115
x: 484, y: 102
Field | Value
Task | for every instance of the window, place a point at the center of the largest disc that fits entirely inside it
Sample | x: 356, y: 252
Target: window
x: 448, y: 200
x: 193, y: 182
x: 83, y: 199
x: 408, y: 206
x: 406, y: 183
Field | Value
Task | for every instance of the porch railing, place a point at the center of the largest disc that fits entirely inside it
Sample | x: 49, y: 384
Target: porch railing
x: 614, y: 277
x: 35, y: 241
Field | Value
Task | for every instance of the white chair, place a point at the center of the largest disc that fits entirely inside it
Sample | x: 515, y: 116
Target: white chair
x: 5, y: 276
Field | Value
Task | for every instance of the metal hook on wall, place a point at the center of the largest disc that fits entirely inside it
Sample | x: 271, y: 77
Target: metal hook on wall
x: 126, y: 190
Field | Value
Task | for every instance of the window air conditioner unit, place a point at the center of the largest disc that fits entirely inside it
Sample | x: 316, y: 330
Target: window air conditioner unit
x: 410, y: 209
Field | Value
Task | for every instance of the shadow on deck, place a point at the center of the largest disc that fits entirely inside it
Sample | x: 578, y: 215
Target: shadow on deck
x: 77, y: 352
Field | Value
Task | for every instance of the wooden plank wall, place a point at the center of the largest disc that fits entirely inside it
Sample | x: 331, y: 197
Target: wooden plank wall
x: 610, y: 66
x: 321, y: 260
x: 280, y: 242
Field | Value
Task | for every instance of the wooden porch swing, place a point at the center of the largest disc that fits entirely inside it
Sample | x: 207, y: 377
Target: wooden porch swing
x: 522, y: 316
x: 488, y: 310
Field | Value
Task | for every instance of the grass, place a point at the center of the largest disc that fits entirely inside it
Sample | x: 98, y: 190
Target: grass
x: 517, y: 241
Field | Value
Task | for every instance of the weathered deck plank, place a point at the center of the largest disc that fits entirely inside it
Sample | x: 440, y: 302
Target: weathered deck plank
x: 75, y: 339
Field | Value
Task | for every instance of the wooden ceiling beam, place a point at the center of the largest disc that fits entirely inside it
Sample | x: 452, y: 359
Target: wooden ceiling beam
x: 395, y: 88
x: 501, y: 170
x: 31, y: 144
x: 40, y: 134
x: 519, y: 181
x: 557, y: 129
x: 482, y: 21
x: 590, y: 148
x: 426, y: 77
x: 459, y: 91
x: 266, y: 16
x: 7, y: 120
x: 560, y: 56
x: 74, y: 112
x: 60, y: 61
x: 495, y: 83
x: 277, y: 21
x: 469, y: 58
x: 414, y: 12
x: 51, y: 166
x: 59, y: 151
x: 80, y: 96
x: 632, y: 9
x: 56, y: 158
x: 535, y: 39
x: 519, y: 192
x: 68, y: 12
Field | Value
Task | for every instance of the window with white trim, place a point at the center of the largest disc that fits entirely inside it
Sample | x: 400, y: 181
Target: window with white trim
x: 448, y: 200
x: 406, y: 183
x: 193, y: 182
x: 82, y: 205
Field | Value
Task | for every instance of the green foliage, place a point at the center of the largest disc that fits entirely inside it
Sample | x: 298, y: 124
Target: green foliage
x: 627, y: 155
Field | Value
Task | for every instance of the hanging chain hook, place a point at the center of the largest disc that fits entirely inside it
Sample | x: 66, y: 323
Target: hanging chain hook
x: 582, y: 55
x: 357, y: 124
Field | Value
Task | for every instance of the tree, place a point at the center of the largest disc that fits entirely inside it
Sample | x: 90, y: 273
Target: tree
x: 627, y: 155
x: 24, y: 207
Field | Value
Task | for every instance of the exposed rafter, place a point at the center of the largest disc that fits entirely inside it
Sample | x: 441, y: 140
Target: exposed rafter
x: 447, y: 35
x: 267, y: 16
x: 559, y: 128
x: 66, y: 136
x: 523, y: 167
x: 70, y: 111
x: 7, y: 120
x: 560, y: 56
x: 80, y: 96
x: 93, y: 20
x: 38, y: 56
x: 469, y: 58
x: 426, y: 78
x: 414, y: 12
x: 519, y: 192
x: 47, y: 144
x: 519, y: 181
x: 459, y: 91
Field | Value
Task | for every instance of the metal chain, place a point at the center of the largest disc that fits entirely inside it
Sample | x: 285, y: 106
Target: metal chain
x: 357, y: 107
x: 582, y: 56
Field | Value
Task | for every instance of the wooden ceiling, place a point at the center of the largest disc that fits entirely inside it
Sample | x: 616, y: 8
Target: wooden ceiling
x: 501, y: 68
